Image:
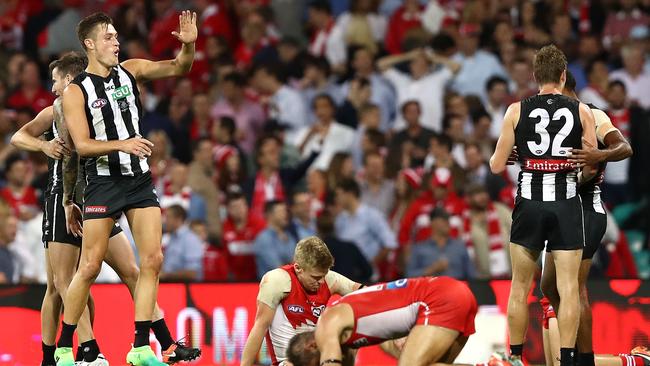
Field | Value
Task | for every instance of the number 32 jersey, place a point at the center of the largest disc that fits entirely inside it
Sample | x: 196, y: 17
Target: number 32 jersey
x: 549, y: 127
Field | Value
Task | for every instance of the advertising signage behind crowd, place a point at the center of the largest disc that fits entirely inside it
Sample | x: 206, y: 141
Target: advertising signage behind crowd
x: 218, y: 317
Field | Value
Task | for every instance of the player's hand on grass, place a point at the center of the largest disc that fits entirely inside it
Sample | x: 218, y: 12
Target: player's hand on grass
x: 137, y: 146
x: 514, y: 157
x: 589, y: 155
x: 187, y: 27
x: 55, y: 148
x: 73, y: 219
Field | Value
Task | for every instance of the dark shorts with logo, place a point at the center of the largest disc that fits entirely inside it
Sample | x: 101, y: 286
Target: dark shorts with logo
x: 595, y: 227
x: 558, y: 222
x: 108, y: 197
x: 54, y: 227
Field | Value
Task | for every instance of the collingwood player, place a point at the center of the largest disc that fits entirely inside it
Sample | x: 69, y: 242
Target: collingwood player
x: 102, y: 113
x: 612, y: 146
x: 545, y: 127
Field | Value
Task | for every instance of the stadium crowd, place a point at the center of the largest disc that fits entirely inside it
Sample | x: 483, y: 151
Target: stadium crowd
x: 368, y: 123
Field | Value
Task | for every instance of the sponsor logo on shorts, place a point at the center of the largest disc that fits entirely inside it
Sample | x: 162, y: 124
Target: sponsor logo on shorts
x: 296, y: 309
x: 548, y: 165
x: 95, y: 209
x: 317, y: 310
x: 99, y: 103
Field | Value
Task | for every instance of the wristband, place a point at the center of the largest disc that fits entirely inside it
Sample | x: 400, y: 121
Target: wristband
x: 331, y: 360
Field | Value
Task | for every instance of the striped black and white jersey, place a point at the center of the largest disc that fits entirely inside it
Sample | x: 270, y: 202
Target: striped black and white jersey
x: 54, y: 166
x: 590, y: 191
x: 549, y: 126
x: 114, y: 112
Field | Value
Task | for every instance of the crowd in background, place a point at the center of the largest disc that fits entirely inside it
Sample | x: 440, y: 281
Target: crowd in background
x: 368, y: 123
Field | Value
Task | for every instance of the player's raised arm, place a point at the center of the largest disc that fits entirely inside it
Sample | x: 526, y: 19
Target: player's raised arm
x: 328, y: 335
x: 506, y: 142
x: 27, y: 138
x: 151, y: 70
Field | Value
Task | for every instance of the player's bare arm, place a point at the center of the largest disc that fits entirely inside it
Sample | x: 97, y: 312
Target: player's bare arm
x: 506, y: 141
x: 337, y: 322
x: 73, y: 109
x: 145, y: 70
x: 588, y: 138
x: 27, y: 138
x: 617, y: 146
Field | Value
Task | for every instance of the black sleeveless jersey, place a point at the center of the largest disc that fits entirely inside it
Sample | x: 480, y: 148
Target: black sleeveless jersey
x: 590, y: 191
x: 54, y: 166
x: 549, y: 126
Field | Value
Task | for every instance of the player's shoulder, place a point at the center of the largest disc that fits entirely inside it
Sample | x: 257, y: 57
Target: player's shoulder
x: 276, y: 277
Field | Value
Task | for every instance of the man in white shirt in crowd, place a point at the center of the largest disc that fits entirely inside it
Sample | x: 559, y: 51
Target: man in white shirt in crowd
x: 636, y: 81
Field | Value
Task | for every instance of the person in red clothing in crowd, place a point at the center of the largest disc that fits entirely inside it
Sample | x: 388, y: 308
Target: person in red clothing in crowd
x: 239, y: 231
x: 18, y: 193
x: 415, y: 225
x: 165, y: 22
x: 201, y: 120
x: 30, y: 92
x: 317, y: 187
x: 404, y: 21
x: 214, y: 19
x: 255, y: 42
x: 230, y: 169
x: 292, y: 298
x: 321, y: 22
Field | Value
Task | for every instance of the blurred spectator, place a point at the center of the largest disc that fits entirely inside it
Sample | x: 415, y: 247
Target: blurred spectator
x: 355, y: 101
x: 274, y: 245
x: 325, y: 135
x: 224, y: 132
x: 214, y: 20
x: 523, y: 85
x: 321, y: 22
x: 165, y: 22
x: 179, y: 134
x: 160, y: 159
x: 623, y: 115
x: 359, y: 27
x: 201, y: 120
x: 589, y: 49
x: 248, y: 115
x: 302, y: 221
x: 376, y: 190
x: 440, y: 149
x: 424, y: 84
x: 532, y: 25
x: 272, y: 183
x: 341, y: 167
x: 239, y: 230
x: 637, y: 82
x: 18, y: 192
x: 409, y: 146
x: 201, y: 179
x: 30, y: 92
x: 404, y: 23
x: 131, y: 20
x: 176, y: 191
x: 481, y: 134
x: 57, y: 38
x: 289, y: 18
x: 316, y: 80
x: 619, y: 24
x: 477, y: 66
x: 596, y: 90
x: 486, y: 231
x: 361, y: 224
x: 368, y: 141
x: 561, y: 33
x: 348, y: 259
x: 255, y: 46
x: 381, y: 91
x: 285, y: 104
x: 453, y: 126
x: 231, y: 171
x: 496, y: 103
x: 440, y: 255
x: 317, y: 188
x: 9, y: 272
x: 292, y: 57
x: 458, y: 105
x: 183, y: 248
x: 478, y: 171
x: 407, y: 187
x: 13, y: 70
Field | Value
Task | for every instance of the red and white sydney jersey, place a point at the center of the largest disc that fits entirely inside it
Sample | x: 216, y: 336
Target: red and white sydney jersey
x: 390, y: 310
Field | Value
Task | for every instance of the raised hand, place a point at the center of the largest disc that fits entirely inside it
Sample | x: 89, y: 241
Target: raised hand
x: 187, y: 27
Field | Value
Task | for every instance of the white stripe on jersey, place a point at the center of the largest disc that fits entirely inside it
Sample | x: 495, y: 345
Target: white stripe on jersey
x: 98, y: 124
x: 548, y: 187
x: 56, y: 196
x: 582, y: 216
x: 571, y: 185
x: 55, y: 170
x: 526, y: 180
x: 122, y: 132
x: 133, y: 108
x: 389, y: 324
x: 598, y: 204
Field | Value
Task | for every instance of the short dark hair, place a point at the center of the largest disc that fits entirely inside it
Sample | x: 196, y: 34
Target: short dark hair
x: 234, y: 195
x: 269, y: 206
x: 445, y: 141
x: 321, y: 5
x: 318, y: 62
x: 12, y: 160
x: 177, y: 211
x: 376, y: 137
x: 236, y: 78
x: 549, y: 64
x: 615, y: 83
x: 446, y: 120
x: 408, y: 103
x: 325, y: 96
x: 493, y: 81
x: 72, y: 63
x: 442, y: 42
x: 275, y: 69
x: 298, y: 354
x: 325, y: 223
x: 87, y: 25
x: 228, y: 123
x: 263, y: 140
x: 349, y: 185
x: 197, y: 143
x: 570, y: 83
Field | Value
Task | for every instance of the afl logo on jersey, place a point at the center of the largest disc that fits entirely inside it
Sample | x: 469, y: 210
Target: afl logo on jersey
x: 296, y: 309
x: 99, y: 103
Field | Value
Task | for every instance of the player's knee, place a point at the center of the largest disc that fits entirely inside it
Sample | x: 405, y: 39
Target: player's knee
x: 90, y: 270
x: 61, y: 282
x: 51, y: 289
x: 151, y: 262
x: 131, y: 274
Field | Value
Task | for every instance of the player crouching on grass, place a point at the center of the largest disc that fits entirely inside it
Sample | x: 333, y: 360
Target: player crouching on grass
x: 437, y: 314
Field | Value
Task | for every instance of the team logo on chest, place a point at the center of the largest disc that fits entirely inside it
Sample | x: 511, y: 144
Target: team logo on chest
x: 296, y: 309
x: 99, y: 103
x: 317, y: 310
